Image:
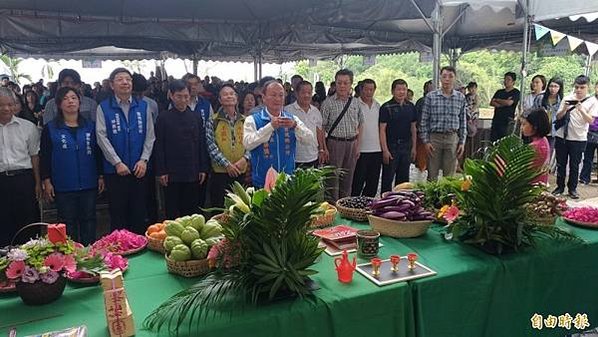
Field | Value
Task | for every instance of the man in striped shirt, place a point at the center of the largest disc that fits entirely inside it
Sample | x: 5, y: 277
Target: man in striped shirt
x: 443, y: 126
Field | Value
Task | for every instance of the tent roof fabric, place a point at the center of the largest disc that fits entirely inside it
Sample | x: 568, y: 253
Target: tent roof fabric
x: 277, y: 31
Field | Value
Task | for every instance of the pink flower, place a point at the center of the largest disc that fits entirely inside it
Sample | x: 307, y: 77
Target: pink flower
x: 114, y: 261
x: 271, y: 177
x: 451, y: 214
x: 70, y: 265
x: 15, y: 269
x: 54, y: 261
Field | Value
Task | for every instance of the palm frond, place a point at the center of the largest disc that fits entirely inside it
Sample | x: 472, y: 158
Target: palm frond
x: 274, y: 253
x: 494, y: 206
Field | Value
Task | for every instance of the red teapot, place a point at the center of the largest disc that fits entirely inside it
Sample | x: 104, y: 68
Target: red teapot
x: 344, y: 268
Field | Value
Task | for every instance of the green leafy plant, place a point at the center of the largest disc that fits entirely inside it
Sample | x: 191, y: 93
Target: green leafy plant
x: 267, y: 252
x: 439, y: 193
x: 494, y: 213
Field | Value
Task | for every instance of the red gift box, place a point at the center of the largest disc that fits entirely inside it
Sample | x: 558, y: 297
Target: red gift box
x: 57, y: 233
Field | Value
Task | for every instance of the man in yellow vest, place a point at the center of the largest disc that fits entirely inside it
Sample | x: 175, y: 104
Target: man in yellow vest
x: 224, y: 133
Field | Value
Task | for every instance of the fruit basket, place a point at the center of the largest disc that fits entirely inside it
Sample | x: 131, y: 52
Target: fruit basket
x: 327, y: 218
x: 190, y: 268
x: 398, y: 228
x: 155, y: 236
x: 546, y: 208
x: 354, y: 208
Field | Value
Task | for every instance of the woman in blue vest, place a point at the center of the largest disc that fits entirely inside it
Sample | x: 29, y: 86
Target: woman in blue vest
x: 69, y: 166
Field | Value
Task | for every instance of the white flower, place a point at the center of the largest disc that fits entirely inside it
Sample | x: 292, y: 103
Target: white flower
x: 17, y: 254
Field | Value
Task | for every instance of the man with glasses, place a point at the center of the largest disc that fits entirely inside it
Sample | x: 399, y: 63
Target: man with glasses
x: 125, y: 133
x: 578, y: 110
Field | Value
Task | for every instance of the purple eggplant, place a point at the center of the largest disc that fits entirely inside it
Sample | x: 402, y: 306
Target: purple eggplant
x: 393, y: 215
x: 383, y: 203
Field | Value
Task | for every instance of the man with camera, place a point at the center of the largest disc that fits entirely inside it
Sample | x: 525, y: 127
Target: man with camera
x: 576, y: 113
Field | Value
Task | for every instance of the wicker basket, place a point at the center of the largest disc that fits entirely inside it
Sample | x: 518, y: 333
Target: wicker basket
x: 545, y: 221
x: 324, y: 220
x: 38, y: 292
x: 399, y: 229
x: 154, y: 244
x: 191, y: 268
x: 357, y: 214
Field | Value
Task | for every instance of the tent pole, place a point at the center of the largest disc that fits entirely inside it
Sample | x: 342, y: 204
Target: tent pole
x: 195, y: 64
x: 259, y: 57
x: 436, y: 44
x: 588, y: 65
x: 524, y: 52
x: 255, y: 77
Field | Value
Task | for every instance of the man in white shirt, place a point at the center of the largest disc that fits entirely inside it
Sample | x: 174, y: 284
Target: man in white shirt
x: 367, y: 169
x: 271, y: 135
x: 313, y: 153
x: 579, y: 110
x: 19, y: 171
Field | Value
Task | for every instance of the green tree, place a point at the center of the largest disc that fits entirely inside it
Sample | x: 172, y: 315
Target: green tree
x: 13, y: 68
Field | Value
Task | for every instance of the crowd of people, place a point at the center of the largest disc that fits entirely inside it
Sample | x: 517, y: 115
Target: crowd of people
x: 191, y: 137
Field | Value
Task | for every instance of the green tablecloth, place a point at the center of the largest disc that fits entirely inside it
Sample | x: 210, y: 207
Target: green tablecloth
x: 481, y: 295
x: 473, y: 294
x: 356, y: 309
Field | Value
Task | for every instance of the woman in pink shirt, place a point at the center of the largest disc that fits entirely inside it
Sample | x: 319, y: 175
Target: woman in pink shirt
x: 537, y: 127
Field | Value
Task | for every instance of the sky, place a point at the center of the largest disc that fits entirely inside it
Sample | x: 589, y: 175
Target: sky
x: 224, y: 70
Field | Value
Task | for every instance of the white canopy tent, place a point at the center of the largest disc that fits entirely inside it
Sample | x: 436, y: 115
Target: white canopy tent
x: 274, y: 31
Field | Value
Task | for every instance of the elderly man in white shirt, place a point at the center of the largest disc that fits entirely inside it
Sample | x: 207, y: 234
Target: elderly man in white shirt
x: 310, y: 154
x: 271, y: 134
x: 19, y: 171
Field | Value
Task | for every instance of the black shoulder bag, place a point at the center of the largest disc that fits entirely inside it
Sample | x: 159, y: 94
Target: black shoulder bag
x: 338, y: 119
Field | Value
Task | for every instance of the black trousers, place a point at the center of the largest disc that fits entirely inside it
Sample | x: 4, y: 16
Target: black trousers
x: 219, y: 184
x: 127, y: 202
x: 398, y: 168
x: 18, y: 207
x: 182, y: 198
x: 367, y: 174
x: 568, y: 151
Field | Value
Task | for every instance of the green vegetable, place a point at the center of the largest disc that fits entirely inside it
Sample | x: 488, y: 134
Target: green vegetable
x: 185, y: 220
x: 211, y: 229
x: 199, y: 249
x: 197, y: 221
x: 180, y: 253
x: 189, y: 235
x: 170, y: 242
x: 174, y: 228
x: 213, y: 240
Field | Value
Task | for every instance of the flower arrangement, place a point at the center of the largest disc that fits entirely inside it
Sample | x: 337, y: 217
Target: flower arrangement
x: 40, y: 260
x: 47, y: 258
x: 266, y: 252
x: 493, y: 200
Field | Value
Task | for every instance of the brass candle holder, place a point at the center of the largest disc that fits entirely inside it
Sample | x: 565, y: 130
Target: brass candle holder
x: 395, y: 259
x: 411, y: 257
x: 376, y: 263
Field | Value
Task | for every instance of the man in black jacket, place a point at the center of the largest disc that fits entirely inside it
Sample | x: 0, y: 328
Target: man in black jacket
x: 181, y: 153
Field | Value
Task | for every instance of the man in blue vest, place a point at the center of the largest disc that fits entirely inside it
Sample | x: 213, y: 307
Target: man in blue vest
x: 271, y: 135
x: 125, y: 133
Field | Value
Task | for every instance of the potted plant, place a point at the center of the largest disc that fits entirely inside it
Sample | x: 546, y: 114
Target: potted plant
x: 493, y: 208
x: 265, y: 255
